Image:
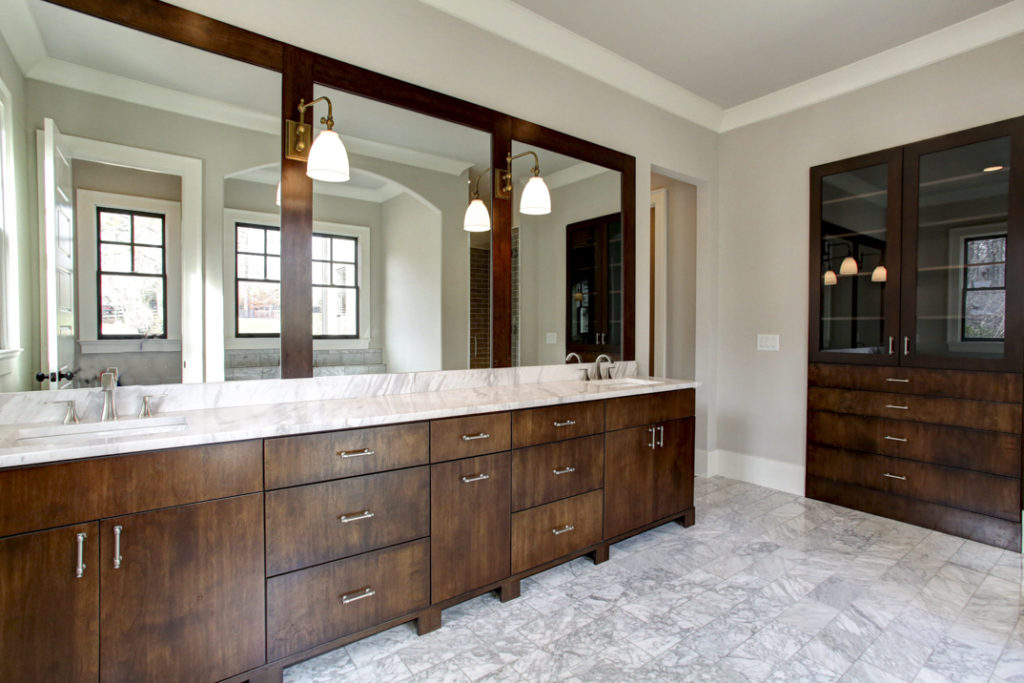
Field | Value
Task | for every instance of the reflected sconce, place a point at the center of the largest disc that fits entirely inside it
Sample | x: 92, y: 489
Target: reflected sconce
x: 477, y: 219
x: 848, y: 266
x: 830, y: 278
x: 536, y: 199
x: 326, y: 159
x: 278, y: 200
x: 879, y: 274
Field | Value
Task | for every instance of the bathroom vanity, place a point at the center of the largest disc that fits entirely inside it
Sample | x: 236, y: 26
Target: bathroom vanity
x: 194, y: 554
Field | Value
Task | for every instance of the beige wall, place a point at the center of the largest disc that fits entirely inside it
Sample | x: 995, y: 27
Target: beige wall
x: 681, y: 276
x: 763, y: 214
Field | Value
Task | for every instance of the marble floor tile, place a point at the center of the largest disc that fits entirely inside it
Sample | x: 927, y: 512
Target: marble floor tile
x: 766, y: 587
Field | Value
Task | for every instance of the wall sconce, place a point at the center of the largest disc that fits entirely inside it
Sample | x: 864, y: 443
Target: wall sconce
x: 535, y: 200
x: 326, y: 159
x: 848, y: 266
x: 477, y: 219
x: 830, y: 278
x: 879, y: 274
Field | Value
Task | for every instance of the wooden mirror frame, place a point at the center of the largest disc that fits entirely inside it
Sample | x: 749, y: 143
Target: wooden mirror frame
x: 299, y: 70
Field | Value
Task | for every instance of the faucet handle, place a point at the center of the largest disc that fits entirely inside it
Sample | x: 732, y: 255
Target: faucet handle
x: 147, y: 404
x: 108, y: 379
x: 71, y: 416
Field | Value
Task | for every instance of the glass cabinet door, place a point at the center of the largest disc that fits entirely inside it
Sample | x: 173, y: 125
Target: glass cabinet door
x: 959, y: 308
x: 855, y: 246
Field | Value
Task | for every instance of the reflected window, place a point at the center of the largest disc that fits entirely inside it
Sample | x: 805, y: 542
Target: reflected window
x: 983, y: 291
x: 335, y: 296
x: 132, y: 274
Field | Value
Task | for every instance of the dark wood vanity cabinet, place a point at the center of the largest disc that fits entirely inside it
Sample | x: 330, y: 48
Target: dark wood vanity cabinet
x: 917, y: 269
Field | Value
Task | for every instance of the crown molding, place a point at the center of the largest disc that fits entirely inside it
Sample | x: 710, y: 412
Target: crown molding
x: 574, y: 174
x: 21, y: 34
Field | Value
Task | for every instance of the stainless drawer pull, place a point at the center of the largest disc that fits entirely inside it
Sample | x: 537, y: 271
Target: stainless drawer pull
x: 897, y: 380
x: 476, y: 477
x: 892, y: 345
x: 117, y: 546
x: 906, y: 346
x: 567, y: 470
x: 895, y: 438
x: 895, y: 407
x: 894, y: 476
x: 564, y: 530
x: 567, y: 423
x: 80, y: 565
x: 474, y: 437
x: 356, y: 454
x: 651, y: 444
x: 661, y: 436
x: 358, y: 595
x: 354, y: 516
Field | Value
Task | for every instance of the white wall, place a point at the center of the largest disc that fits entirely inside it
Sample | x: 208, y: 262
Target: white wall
x: 681, y: 276
x: 412, y: 285
x: 763, y: 214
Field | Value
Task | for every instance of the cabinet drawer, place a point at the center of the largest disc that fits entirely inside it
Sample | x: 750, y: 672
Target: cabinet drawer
x: 992, y: 452
x: 545, y: 473
x: 46, y: 496
x: 974, y: 491
x: 322, y: 603
x: 552, y: 423
x: 308, y: 458
x: 630, y: 411
x: 998, y: 417
x: 551, y: 531
x: 312, y: 524
x: 983, y: 386
x: 464, y: 437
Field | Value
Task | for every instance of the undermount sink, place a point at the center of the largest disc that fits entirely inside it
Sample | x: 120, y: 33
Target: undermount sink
x: 104, y: 430
x: 625, y: 382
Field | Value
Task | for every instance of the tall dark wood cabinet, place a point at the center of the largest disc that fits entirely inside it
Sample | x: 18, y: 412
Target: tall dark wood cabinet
x: 594, y: 301
x: 917, y: 332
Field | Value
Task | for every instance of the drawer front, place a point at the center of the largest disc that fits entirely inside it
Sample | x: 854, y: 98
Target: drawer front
x: 554, y: 530
x: 982, y: 386
x: 322, y: 603
x: 305, y: 459
x: 45, y: 496
x: 553, y: 423
x: 992, y: 452
x: 312, y: 524
x: 998, y: 417
x: 975, y: 491
x: 630, y: 411
x: 464, y: 437
x: 545, y: 473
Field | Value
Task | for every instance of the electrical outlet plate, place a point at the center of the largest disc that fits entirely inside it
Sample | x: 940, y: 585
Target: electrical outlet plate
x: 767, y: 342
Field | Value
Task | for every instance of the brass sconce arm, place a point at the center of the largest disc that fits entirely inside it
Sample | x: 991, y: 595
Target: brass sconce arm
x: 503, y: 180
x: 300, y: 135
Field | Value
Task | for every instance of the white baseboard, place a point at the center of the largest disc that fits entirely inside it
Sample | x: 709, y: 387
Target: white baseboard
x: 752, y: 469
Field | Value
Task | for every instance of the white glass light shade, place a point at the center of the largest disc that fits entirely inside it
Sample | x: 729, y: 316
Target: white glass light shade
x: 848, y: 266
x: 477, y: 219
x: 278, y: 200
x: 328, y: 160
x: 879, y: 274
x: 830, y: 278
x: 536, y: 200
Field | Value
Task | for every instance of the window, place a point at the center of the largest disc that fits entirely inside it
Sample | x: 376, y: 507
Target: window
x: 132, y: 274
x: 335, y: 295
x: 983, y: 293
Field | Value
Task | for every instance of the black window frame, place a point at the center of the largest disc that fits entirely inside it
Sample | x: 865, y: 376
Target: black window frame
x: 132, y: 243
x: 964, y: 288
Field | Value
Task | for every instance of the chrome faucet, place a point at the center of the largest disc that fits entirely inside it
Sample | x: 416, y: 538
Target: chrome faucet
x: 597, y: 366
x: 108, y: 382
x: 572, y: 354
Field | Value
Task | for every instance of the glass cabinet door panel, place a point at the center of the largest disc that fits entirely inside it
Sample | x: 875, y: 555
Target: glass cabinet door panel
x: 854, y: 236
x: 955, y: 293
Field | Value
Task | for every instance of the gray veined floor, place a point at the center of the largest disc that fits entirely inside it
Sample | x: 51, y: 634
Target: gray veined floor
x: 766, y: 586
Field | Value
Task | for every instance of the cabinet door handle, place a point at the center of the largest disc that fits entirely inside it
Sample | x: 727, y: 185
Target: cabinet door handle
x: 354, y: 516
x: 564, y: 530
x: 567, y: 423
x: 474, y: 437
x: 117, y: 546
x: 897, y: 380
x: 896, y: 407
x: 356, y: 454
x: 475, y: 477
x: 906, y: 346
x: 367, y: 592
x: 894, y: 476
x: 567, y: 470
x: 895, y: 438
x: 892, y: 345
x: 661, y: 436
x: 651, y: 444
x: 80, y: 564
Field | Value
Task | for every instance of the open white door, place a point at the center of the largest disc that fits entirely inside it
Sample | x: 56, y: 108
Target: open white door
x: 57, y: 260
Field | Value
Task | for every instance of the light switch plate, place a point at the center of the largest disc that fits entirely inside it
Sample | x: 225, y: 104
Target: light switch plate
x: 552, y: 338
x: 767, y: 342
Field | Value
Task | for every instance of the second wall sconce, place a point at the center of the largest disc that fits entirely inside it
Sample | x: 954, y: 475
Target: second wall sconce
x: 326, y: 159
x: 535, y: 200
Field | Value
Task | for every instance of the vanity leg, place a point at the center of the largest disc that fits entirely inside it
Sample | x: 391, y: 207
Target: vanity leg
x: 689, y: 518
x: 600, y: 554
x: 429, y: 620
x: 509, y: 590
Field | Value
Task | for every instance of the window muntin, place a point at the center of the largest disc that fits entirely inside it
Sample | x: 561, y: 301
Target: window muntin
x: 131, y: 274
x: 983, y: 292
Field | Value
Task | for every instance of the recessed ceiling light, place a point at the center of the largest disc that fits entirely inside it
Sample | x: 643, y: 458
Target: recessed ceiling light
x: 990, y: 169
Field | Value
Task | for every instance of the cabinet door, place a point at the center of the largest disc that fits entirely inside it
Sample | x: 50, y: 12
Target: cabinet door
x: 963, y: 260
x: 629, y: 479
x: 594, y: 283
x: 183, y: 600
x: 470, y: 532
x: 855, y: 247
x: 49, y: 611
x: 673, y: 468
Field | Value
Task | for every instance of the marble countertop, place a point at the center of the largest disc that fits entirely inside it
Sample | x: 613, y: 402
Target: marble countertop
x: 239, y: 423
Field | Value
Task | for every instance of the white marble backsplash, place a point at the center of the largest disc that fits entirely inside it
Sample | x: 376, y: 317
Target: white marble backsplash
x: 50, y: 406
